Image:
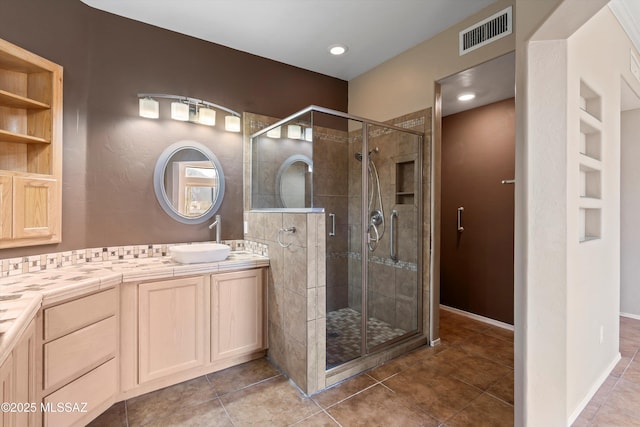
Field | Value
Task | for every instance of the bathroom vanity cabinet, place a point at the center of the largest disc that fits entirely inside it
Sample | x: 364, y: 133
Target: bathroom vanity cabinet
x: 7, y: 392
x: 172, y: 327
x: 30, y: 148
x: 18, y: 381
x: 237, y: 314
x: 79, y: 350
x: 177, y: 329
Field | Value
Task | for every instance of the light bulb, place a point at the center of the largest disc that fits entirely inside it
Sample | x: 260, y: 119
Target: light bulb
x: 206, y: 116
x: 149, y: 108
x: 179, y: 111
x: 294, y: 132
x: 232, y: 123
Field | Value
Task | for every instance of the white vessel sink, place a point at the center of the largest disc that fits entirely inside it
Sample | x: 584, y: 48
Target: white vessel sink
x: 200, y: 252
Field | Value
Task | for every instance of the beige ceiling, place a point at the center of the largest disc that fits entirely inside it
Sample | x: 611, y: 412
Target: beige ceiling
x: 299, y: 32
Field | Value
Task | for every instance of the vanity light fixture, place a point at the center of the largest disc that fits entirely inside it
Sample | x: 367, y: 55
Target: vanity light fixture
x: 180, y: 111
x: 294, y: 132
x: 308, y: 134
x: 184, y: 108
x: 206, y: 116
x: 275, y: 132
x: 232, y: 123
x: 149, y: 108
x: 466, y: 96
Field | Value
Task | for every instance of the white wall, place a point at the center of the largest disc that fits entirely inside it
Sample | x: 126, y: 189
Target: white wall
x: 546, y: 228
x: 572, y: 288
x: 630, y: 214
x: 593, y: 291
x: 563, y: 292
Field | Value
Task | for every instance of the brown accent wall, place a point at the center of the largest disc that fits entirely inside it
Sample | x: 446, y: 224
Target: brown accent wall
x: 476, y: 265
x: 109, y: 151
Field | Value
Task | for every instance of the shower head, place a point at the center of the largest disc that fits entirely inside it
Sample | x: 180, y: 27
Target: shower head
x: 358, y: 155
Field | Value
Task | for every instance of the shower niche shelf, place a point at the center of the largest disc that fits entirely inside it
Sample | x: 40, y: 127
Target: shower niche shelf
x: 590, y: 165
x: 405, y: 181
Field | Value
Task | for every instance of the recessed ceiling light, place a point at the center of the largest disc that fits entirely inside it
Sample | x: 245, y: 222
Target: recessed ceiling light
x: 466, y: 96
x: 338, y: 49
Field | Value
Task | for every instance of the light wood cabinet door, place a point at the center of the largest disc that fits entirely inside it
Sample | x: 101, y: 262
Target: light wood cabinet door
x: 172, y: 315
x: 35, y: 213
x: 7, y: 391
x: 96, y: 388
x: 237, y: 306
x: 24, y: 368
x: 6, y: 206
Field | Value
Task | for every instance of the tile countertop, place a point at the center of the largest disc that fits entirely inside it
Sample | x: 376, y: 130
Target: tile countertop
x: 22, y: 296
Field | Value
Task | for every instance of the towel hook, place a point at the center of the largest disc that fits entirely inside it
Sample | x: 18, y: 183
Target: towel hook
x: 285, y: 230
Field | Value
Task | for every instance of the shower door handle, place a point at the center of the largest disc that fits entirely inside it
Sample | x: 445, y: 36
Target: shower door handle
x: 460, y: 227
x: 393, y: 244
x: 333, y: 224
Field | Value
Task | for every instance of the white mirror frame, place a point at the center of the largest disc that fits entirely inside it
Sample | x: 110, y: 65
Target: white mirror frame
x: 283, y: 168
x: 158, y: 181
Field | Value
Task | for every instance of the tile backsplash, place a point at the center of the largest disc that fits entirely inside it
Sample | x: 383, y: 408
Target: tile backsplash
x: 50, y: 261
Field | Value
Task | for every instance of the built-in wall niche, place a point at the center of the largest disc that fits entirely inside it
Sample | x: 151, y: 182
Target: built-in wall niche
x: 590, y: 182
x: 589, y: 221
x: 590, y: 101
x: 405, y: 181
x: 590, y: 137
x: 590, y: 165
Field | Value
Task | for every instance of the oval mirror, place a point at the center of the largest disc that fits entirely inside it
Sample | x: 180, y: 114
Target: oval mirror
x: 189, y: 182
x: 293, y: 182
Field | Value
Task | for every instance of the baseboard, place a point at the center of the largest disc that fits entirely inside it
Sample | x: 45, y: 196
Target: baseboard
x: 593, y: 390
x: 630, y: 316
x: 477, y: 317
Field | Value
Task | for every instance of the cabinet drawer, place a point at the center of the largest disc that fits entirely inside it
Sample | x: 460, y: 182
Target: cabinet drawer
x: 94, y: 389
x: 68, y: 317
x: 79, y: 350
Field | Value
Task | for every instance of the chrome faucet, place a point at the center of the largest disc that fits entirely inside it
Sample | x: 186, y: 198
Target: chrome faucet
x: 216, y: 224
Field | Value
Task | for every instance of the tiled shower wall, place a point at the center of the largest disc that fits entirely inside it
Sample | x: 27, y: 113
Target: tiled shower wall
x: 297, y: 292
x: 393, y: 291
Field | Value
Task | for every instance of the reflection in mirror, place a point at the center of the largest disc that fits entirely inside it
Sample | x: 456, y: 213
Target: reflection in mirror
x: 271, y: 154
x: 294, y: 182
x: 189, y: 182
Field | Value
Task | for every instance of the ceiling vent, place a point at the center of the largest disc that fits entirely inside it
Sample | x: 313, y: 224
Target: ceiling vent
x: 486, y: 31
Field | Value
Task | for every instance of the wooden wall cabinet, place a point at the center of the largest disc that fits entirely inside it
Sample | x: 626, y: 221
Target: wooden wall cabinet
x: 30, y: 148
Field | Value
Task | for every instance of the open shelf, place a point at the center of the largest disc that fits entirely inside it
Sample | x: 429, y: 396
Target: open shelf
x: 590, y: 101
x: 30, y: 148
x: 6, y: 136
x: 590, y: 165
x: 590, y: 224
x: 8, y: 99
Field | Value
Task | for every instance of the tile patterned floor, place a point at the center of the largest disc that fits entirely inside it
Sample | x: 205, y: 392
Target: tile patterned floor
x: 459, y: 383
x: 343, y: 335
x: 617, y: 401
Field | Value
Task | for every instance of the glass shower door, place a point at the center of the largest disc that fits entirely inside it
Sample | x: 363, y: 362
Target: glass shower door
x: 392, y: 227
x: 338, y: 189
